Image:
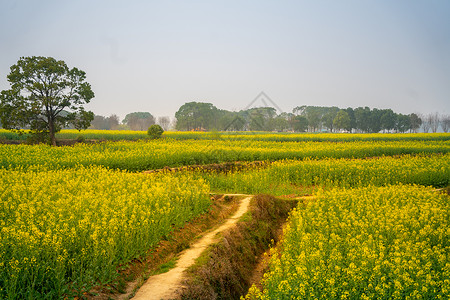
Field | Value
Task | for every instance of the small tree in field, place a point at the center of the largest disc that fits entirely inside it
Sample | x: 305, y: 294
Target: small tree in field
x: 155, y: 131
x: 45, y: 96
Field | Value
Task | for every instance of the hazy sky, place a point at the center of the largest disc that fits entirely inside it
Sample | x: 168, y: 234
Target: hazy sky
x: 156, y: 55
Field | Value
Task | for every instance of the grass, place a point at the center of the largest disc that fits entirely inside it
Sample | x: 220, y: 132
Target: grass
x: 165, y: 267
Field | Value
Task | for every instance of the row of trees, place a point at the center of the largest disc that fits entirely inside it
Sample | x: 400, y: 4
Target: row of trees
x: 132, y: 121
x: 361, y: 119
x: 205, y: 116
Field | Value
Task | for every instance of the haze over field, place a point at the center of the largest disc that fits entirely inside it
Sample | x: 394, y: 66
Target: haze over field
x: 155, y: 56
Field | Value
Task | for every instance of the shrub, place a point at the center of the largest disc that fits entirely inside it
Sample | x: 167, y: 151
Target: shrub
x: 155, y: 131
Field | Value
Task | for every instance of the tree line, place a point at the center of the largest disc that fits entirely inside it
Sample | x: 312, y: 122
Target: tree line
x: 200, y: 116
x: 132, y: 121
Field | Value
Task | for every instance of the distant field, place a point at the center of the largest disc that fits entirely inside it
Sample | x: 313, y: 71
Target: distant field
x: 114, y: 135
x: 91, y: 134
x: 155, y: 154
x: 308, y: 137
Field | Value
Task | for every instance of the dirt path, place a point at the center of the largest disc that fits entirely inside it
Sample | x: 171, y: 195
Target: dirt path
x: 165, y: 285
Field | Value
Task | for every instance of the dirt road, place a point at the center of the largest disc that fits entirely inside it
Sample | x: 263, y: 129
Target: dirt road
x: 165, y: 285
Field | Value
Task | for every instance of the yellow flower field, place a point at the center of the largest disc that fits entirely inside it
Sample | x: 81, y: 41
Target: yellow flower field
x: 146, y: 155
x: 285, y: 176
x: 369, y: 243
x: 71, y: 216
x: 94, y: 134
x: 63, y: 230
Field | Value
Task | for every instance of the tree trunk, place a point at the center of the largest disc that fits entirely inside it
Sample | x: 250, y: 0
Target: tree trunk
x: 51, y: 126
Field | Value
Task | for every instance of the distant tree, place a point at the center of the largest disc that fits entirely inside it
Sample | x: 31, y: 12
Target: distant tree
x: 314, y: 117
x: 46, y: 96
x: 434, y: 122
x: 260, y: 118
x: 342, y: 120
x: 351, y: 114
x: 403, y: 123
x: 362, y: 117
x: 225, y: 121
x: 289, y: 119
x: 196, y: 115
x: 281, y: 122
x: 299, y: 110
x: 388, y: 119
x: 415, y: 122
x: 113, y: 122
x: 105, y: 123
x: 329, y: 116
x: 139, y: 120
x: 426, y: 122
x: 155, y: 131
x: 300, y: 124
x: 233, y: 121
x: 257, y: 121
x: 99, y: 122
x: 173, y: 124
x: 445, y: 123
x: 375, y: 120
x: 164, y: 122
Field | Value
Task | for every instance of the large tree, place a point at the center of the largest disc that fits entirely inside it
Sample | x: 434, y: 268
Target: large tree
x: 45, y: 95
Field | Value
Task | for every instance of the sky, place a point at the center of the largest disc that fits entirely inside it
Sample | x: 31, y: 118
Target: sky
x: 157, y: 55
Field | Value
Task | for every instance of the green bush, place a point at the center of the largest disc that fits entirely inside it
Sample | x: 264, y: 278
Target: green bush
x: 155, y: 131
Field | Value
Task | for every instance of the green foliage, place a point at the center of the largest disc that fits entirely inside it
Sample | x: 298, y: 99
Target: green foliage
x: 139, y: 120
x: 155, y: 131
x: 45, y: 96
x: 300, y: 124
x: 342, y: 120
x: 38, y: 137
x: 196, y: 116
x: 199, y: 116
x: 105, y: 123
